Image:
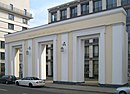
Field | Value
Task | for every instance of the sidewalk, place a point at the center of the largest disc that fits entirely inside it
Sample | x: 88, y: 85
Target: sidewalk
x: 81, y: 88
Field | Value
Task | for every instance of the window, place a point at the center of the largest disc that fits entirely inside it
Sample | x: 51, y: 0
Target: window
x: 54, y: 17
x: 25, y: 21
x: 84, y: 9
x: 129, y: 49
x: 63, y: 14
x: 11, y: 6
x: 2, y: 44
x: 73, y: 11
x: 125, y: 2
x: 2, y: 56
x: 128, y: 15
x: 95, y: 50
x: 11, y: 16
x: 97, y: 5
x: 128, y: 30
x: 25, y: 12
x: 24, y: 28
x: 111, y: 4
x: 86, y: 52
x: 11, y: 26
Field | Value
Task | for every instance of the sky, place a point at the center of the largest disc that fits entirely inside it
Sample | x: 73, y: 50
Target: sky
x: 39, y: 10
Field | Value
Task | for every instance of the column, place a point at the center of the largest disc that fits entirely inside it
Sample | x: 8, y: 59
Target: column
x: 104, y: 4
x: 90, y: 6
x: 49, y: 17
x: 79, y: 9
x: 118, y: 3
x: 58, y: 15
x: 68, y: 12
x: 43, y: 62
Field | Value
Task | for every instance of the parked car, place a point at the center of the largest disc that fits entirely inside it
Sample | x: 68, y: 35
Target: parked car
x: 6, y: 79
x: 30, y: 81
x: 123, y: 90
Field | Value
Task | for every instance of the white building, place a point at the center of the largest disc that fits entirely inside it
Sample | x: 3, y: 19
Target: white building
x: 14, y: 16
x: 85, y: 46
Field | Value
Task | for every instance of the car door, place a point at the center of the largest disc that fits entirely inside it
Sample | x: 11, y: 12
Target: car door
x: 22, y: 81
x: 26, y: 82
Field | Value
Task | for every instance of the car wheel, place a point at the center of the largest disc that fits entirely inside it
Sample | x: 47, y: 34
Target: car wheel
x: 122, y: 92
x: 17, y: 83
x: 30, y: 85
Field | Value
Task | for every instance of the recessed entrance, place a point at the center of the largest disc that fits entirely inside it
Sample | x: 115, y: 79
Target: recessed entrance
x: 46, y: 64
x: 91, y: 62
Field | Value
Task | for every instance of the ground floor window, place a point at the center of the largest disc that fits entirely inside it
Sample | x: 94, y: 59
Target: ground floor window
x: 91, y: 55
x: 2, y: 69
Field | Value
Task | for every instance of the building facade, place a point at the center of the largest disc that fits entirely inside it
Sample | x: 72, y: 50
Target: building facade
x: 14, y: 16
x: 89, y: 41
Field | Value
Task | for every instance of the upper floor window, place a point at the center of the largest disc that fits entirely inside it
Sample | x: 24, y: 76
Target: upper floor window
x: 63, y: 14
x: 25, y: 21
x: 54, y: 17
x: 2, y: 44
x: 25, y: 12
x: 10, y: 26
x: 11, y: 6
x: 111, y: 4
x: 73, y: 11
x: 84, y: 9
x: 125, y: 2
x: 11, y: 16
x: 97, y: 5
x: 2, y: 55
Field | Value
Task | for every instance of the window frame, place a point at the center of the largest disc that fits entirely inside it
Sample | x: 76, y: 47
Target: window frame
x: 95, y: 7
x: 73, y: 11
x: 63, y: 14
x: 85, y: 10
x: 10, y: 26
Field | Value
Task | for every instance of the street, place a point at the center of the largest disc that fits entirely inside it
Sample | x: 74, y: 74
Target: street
x: 12, y: 89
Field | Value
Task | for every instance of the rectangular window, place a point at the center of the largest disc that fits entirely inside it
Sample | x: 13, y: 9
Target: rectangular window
x: 24, y: 28
x: 11, y: 6
x: 125, y: 2
x: 129, y: 49
x: 11, y: 16
x: 54, y: 17
x: 111, y: 4
x: 86, y: 52
x: 64, y: 14
x: 95, y: 50
x: 73, y: 11
x: 128, y: 30
x: 25, y: 12
x: 10, y: 26
x: 25, y: 21
x: 2, y: 44
x: 128, y: 15
x: 97, y: 5
x: 84, y: 9
x: 2, y: 56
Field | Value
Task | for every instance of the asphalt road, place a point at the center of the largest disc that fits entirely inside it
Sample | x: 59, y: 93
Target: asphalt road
x: 12, y: 89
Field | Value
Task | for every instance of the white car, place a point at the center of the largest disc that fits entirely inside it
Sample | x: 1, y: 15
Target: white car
x: 123, y: 90
x: 30, y: 81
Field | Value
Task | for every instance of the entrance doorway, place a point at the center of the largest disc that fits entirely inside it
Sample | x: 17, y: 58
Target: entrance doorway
x: 91, y: 62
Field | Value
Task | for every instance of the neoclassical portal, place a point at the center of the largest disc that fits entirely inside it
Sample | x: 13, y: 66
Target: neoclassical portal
x: 87, y: 47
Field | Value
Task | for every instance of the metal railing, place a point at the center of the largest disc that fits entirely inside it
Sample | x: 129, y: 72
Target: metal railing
x: 15, y: 10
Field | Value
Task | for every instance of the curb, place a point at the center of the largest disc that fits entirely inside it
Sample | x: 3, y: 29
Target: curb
x: 80, y: 90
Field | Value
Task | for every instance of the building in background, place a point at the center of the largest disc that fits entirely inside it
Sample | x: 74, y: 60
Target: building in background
x: 89, y: 42
x: 14, y: 16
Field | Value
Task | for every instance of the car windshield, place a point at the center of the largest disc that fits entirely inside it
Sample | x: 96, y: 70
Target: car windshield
x: 35, y: 78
